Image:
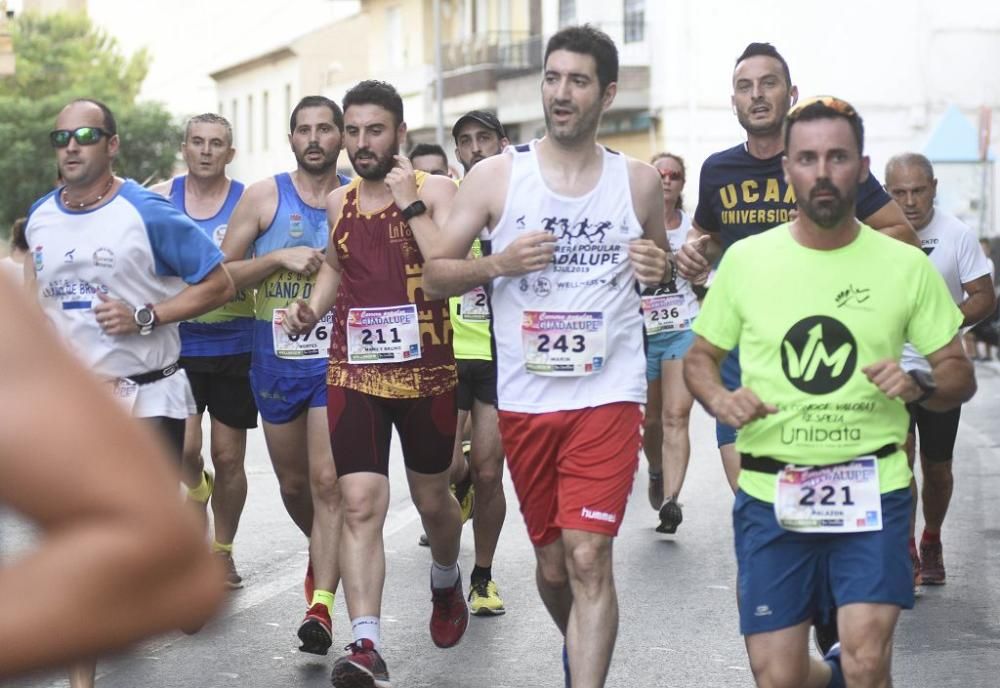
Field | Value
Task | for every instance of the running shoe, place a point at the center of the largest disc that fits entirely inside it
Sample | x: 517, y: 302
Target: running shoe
x: 484, y: 599
x: 316, y: 630
x: 932, y: 563
x: 450, y: 615
x: 464, y: 491
x: 361, y: 667
x: 827, y: 634
x: 569, y: 681
x: 309, y: 586
x: 234, y: 581
x: 832, y: 658
x: 670, y: 517
x: 656, y: 490
x: 423, y: 541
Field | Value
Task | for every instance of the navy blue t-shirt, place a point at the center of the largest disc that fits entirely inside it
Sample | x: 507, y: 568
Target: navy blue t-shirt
x: 740, y: 195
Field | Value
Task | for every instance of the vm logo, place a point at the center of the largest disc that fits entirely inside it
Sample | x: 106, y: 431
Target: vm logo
x: 818, y: 355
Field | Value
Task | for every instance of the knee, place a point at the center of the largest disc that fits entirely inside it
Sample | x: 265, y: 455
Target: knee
x: 228, y: 461
x: 774, y: 674
x: 292, y: 485
x: 864, y: 665
x: 552, y: 574
x: 589, y: 562
x: 675, y: 421
x: 486, y: 475
x: 938, y: 473
x: 326, y: 486
x: 358, y: 506
x: 651, y: 423
x: 432, y: 501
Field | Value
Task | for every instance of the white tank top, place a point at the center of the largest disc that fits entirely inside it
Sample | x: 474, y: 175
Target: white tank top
x: 569, y: 336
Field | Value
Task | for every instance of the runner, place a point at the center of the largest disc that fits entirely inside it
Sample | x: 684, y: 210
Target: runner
x: 573, y: 226
x: 430, y: 158
x: 116, y: 267
x: 477, y: 464
x: 215, y: 347
x: 954, y: 251
x: 668, y: 317
x: 743, y: 192
x: 13, y: 263
x: 985, y: 331
x: 282, y: 222
x: 85, y: 489
x: 823, y: 505
x: 391, y: 365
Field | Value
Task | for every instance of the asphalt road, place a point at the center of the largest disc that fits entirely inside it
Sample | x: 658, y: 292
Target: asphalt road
x: 678, y: 610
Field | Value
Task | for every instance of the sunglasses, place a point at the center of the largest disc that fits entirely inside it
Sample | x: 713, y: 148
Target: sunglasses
x: 671, y: 175
x: 836, y: 104
x: 85, y: 136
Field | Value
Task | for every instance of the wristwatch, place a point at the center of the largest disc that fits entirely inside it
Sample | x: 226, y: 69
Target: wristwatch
x: 925, y: 381
x: 145, y: 318
x: 414, y: 209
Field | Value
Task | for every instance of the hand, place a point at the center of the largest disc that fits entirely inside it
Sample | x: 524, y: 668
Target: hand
x: 691, y: 261
x: 530, y: 252
x: 299, y: 318
x: 893, y: 381
x: 301, y: 259
x: 115, y: 317
x: 741, y: 407
x: 649, y: 261
x: 402, y: 183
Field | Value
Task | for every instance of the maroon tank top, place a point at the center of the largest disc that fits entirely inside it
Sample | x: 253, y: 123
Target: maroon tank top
x: 381, y: 266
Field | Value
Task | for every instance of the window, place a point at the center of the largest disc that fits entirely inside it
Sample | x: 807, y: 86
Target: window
x: 250, y: 136
x: 235, y: 118
x: 567, y: 12
x: 635, y: 21
x: 395, y: 41
x: 265, y: 123
x: 288, y: 101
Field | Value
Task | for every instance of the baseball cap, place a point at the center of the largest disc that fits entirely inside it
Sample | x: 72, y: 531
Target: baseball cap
x: 487, y: 119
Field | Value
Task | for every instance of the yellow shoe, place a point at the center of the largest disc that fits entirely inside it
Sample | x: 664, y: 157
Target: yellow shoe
x: 203, y: 492
x: 484, y: 599
x: 466, y: 496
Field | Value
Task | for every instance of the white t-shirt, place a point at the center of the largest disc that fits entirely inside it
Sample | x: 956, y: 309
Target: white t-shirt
x: 954, y: 250
x: 582, y: 312
x: 677, y: 238
x: 137, y: 248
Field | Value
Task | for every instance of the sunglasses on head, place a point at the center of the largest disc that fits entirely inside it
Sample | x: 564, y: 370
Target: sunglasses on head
x: 836, y: 104
x: 85, y: 136
x: 671, y: 175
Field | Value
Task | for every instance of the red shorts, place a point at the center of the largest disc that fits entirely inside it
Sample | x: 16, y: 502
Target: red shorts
x: 572, y: 469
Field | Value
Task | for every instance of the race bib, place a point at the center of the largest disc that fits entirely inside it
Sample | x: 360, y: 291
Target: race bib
x: 832, y: 499
x: 383, y: 335
x: 312, y: 344
x: 665, y: 313
x: 475, y: 306
x: 125, y: 392
x: 563, y: 343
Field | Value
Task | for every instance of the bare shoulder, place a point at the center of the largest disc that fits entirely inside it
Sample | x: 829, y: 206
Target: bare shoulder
x: 489, y: 178
x: 335, y: 204
x: 163, y: 188
x: 642, y: 175
x: 438, y: 186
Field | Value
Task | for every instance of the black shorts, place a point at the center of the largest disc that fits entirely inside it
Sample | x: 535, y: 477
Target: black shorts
x: 936, y: 431
x: 222, y: 385
x: 477, y: 379
x: 170, y: 431
x: 361, y: 430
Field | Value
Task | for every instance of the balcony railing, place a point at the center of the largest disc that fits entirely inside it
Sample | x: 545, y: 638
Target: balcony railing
x: 503, y: 51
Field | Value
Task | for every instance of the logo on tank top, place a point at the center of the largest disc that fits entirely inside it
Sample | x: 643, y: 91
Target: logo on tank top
x: 104, y: 257
x: 295, y: 225
x: 219, y: 233
x: 818, y: 355
x: 37, y: 256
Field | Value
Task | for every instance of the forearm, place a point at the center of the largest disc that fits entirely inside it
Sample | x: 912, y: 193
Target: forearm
x: 703, y: 378
x: 901, y: 232
x: 324, y: 292
x: 956, y: 383
x: 212, y: 292
x: 252, y: 271
x: 977, y: 307
x: 445, y: 277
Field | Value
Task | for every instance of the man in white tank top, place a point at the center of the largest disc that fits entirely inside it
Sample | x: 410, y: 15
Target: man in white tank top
x: 573, y: 226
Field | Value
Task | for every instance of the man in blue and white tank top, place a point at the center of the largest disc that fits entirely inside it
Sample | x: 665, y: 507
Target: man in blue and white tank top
x: 281, y: 224
x: 215, y: 347
x: 573, y: 227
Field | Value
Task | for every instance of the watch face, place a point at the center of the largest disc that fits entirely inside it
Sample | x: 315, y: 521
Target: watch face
x: 144, y: 317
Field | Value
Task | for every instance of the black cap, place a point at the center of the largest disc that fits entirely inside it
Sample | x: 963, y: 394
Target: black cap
x: 487, y: 119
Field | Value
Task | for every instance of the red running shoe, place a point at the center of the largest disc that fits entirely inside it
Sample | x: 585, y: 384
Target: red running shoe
x: 316, y: 631
x: 450, y: 616
x: 932, y: 563
x: 361, y: 667
x: 310, y: 583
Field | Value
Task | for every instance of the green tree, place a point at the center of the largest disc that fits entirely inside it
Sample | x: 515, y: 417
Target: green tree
x: 60, y: 57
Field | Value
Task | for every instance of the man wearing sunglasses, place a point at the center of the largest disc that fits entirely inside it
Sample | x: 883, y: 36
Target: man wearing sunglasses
x: 115, y: 268
x: 215, y: 347
x: 823, y: 508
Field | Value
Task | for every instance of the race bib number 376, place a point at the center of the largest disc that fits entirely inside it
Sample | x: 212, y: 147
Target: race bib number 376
x: 830, y: 499
x: 563, y: 343
x: 312, y: 344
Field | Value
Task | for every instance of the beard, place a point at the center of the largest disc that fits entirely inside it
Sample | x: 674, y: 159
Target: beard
x: 383, y: 164
x: 584, y: 128
x: 829, y: 213
x: 317, y: 168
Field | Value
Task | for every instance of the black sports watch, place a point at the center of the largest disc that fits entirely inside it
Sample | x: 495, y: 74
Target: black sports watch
x: 145, y: 318
x: 414, y: 209
x: 925, y: 381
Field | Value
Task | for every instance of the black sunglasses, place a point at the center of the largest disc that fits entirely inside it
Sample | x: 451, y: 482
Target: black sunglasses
x: 85, y: 136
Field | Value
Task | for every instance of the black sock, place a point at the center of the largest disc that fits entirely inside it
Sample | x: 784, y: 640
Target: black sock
x: 480, y: 573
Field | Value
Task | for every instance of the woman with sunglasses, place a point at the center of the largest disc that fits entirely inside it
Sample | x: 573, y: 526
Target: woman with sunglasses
x: 667, y: 314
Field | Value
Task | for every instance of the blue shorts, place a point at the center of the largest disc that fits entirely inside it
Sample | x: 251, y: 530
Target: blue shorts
x: 730, y: 372
x: 786, y: 577
x: 282, y: 399
x: 666, y: 346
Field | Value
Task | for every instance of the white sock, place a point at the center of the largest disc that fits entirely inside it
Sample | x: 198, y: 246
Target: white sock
x: 444, y: 576
x: 367, y: 627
